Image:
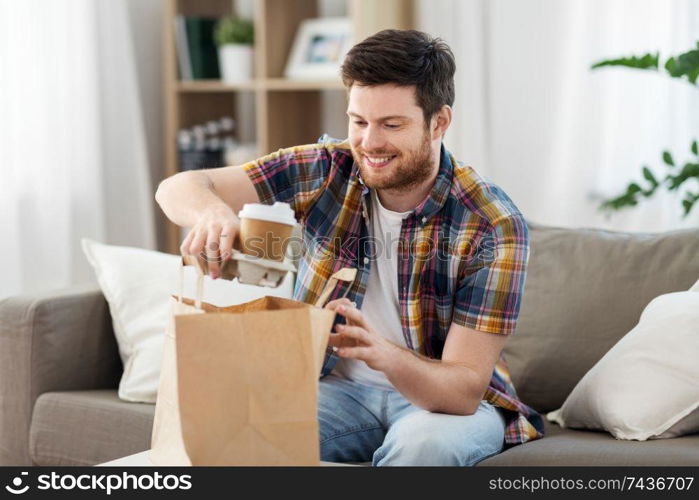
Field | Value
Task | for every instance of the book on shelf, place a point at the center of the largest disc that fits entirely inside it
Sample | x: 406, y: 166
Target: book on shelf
x: 182, y: 49
x: 197, y: 55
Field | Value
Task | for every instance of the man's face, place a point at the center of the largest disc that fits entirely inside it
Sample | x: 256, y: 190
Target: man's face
x: 389, y: 140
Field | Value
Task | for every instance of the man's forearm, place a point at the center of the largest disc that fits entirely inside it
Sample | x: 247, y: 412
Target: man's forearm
x: 184, y: 197
x: 435, y: 385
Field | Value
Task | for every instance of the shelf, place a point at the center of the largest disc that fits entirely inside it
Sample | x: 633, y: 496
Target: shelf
x: 285, y: 84
x: 214, y: 86
x: 260, y: 83
x: 263, y: 103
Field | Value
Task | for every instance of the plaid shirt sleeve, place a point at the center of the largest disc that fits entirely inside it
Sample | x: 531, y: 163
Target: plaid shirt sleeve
x: 293, y: 175
x: 489, y: 296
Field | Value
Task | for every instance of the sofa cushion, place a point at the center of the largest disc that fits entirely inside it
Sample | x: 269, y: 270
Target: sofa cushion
x: 566, y: 447
x: 646, y: 386
x: 87, y: 428
x: 50, y: 340
x: 91, y: 427
x: 586, y: 289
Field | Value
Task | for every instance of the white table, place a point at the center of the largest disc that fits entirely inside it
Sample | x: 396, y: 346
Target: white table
x: 142, y: 459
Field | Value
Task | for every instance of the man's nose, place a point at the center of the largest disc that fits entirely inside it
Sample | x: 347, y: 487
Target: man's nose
x: 373, y: 139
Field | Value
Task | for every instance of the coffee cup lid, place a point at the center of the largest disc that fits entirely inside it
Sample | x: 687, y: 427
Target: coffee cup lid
x: 280, y: 213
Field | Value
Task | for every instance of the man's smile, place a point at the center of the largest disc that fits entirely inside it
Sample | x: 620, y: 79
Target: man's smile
x: 378, y: 161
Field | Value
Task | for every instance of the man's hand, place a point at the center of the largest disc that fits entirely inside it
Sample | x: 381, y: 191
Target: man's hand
x: 454, y: 385
x: 358, y: 340
x: 336, y: 340
x: 207, y: 201
x: 212, y: 237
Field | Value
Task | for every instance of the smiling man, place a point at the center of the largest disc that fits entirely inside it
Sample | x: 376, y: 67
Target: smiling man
x: 416, y: 374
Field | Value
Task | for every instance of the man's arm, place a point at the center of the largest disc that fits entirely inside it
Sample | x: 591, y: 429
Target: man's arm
x: 454, y: 385
x: 207, y: 201
x: 186, y: 196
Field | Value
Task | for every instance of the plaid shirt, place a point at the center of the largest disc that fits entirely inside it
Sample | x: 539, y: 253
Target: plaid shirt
x: 462, y: 253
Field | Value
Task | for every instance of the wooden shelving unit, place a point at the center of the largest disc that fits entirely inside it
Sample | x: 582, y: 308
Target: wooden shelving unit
x: 276, y: 22
x: 258, y: 84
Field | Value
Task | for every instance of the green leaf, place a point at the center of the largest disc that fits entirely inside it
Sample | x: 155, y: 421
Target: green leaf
x: 667, y: 158
x: 648, y: 175
x: 684, y: 65
x: 647, y: 61
x: 234, y: 30
x: 670, y: 66
x: 675, y: 182
x: 633, y: 188
x: 690, y: 170
x: 687, y: 206
x: 625, y: 200
x: 672, y: 182
x: 689, y: 202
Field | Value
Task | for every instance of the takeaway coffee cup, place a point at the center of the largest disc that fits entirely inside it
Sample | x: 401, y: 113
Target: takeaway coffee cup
x: 265, y: 230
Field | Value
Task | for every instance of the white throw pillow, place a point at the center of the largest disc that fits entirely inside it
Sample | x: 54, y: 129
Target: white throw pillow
x: 137, y: 284
x: 647, y: 385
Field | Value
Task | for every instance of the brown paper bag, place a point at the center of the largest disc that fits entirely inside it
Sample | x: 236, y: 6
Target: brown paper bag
x: 239, y: 384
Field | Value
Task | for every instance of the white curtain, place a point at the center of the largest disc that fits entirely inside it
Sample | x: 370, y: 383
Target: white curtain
x: 557, y: 136
x: 73, y: 153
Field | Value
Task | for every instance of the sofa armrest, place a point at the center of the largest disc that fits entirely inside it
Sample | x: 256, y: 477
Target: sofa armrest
x: 52, y: 341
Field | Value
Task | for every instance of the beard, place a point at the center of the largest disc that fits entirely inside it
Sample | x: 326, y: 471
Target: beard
x: 407, y: 170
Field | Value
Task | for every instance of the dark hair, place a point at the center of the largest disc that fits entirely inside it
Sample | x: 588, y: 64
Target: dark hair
x: 404, y: 57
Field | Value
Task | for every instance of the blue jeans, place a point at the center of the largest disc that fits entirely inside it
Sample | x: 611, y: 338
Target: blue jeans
x: 359, y: 423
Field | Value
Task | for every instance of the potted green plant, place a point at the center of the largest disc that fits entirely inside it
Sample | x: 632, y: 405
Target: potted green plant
x: 685, y: 67
x: 235, y: 37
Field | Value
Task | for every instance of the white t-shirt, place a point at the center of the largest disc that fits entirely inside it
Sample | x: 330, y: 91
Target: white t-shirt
x: 380, y: 306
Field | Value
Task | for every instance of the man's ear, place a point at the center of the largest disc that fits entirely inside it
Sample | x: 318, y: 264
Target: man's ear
x: 441, y: 122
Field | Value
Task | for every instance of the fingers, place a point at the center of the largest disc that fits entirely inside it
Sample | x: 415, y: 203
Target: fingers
x: 354, y: 332
x: 196, y: 244
x: 334, y: 304
x: 339, y: 340
x: 227, y: 238
x: 335, y: 340
x: 353, y: 315
x: 213, y: 257
x: 363, y: 353
x: 198, y: 241
x: 184, y: 247
x: 193, y: 242
x: 212, y: 240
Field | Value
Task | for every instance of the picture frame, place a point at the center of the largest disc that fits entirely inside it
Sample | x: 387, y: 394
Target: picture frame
x: 320, y: 45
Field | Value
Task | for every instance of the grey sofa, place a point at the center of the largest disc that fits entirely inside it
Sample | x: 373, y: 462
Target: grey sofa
x: 585, y: 289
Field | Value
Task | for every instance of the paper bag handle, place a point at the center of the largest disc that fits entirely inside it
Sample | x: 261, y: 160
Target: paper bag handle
x: 200, y: 284
x: 344, y: 274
